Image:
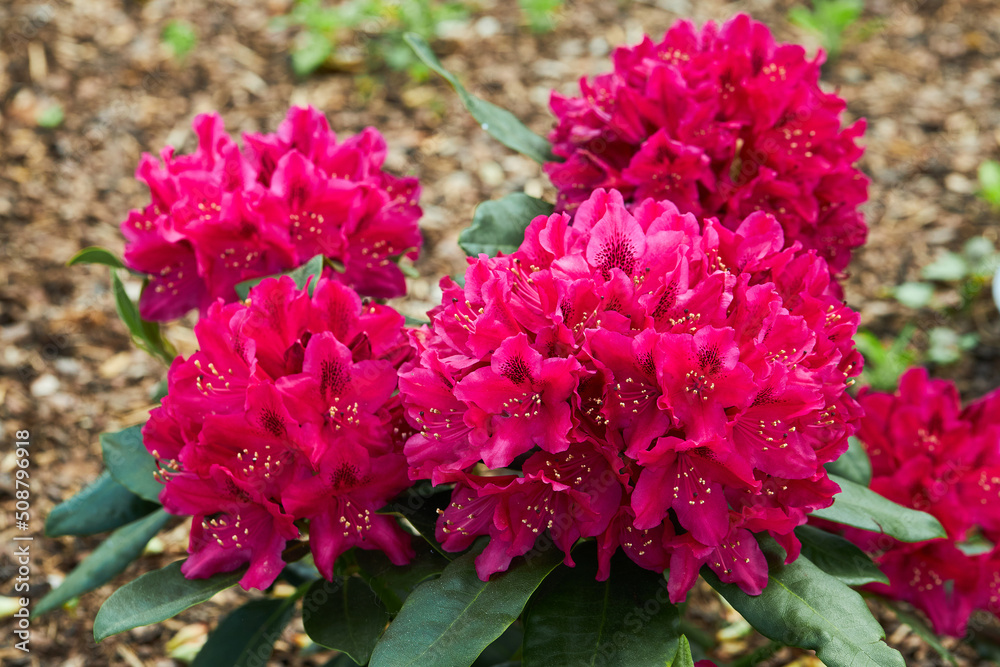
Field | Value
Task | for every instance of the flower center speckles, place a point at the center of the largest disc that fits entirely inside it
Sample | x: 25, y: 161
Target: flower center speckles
x: 272, y: 422
x: 333, y: 378
x: 345, y: 476
x: 708, y: 359
x: 618, y: 253
x: 516, y: 370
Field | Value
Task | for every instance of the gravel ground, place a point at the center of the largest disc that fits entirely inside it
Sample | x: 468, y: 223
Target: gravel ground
x: 924, y: 73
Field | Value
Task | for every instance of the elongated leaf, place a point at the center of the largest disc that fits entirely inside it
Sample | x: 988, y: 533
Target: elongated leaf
x: 498, y: 226
x: 854, y: 464
x: 112, y: 556
x: 921, y: 630
x: 130, y: 464
x: 447, y: 622
x: 100, y: 507
x: 344, y: 615
x: 145, y: 334
x: 501, y: 124
x: 157, y: 596
x: 837, y: 556
x: 245, y: 638
x: 804, y: 606
x: 861, y: 507
x: 419, y: 505
x: 575, y: 620
x: 502, y: 651
x: 683, y: 657
x: 394, y: 583
x: 96, y: 255
x: 311, y: 269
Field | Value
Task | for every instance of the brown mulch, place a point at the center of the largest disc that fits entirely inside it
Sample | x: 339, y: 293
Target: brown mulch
x: 924, y: 73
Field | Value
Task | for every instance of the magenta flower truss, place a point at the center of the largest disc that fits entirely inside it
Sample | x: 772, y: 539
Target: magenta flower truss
x: 722, y: 122
x: 665, y: 386
x: 221, y: 216
x: 929, y: 454
x: 288, y: 411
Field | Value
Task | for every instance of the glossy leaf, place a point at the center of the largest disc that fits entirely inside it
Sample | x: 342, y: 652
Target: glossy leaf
x: 157, y: 596
x: 345, y: 615
x: 838, y: 557
x: 100, y: 507
x: 804, y: 606
x: 683, y: 657
x: 145, y: 335
x: 301, y: 275
x: 96, y: 255
x: 854, y: 464
x: 394, y: 583
x: 575, y: 620
x: 130, y: 464
x: 419, y: 505
x: 447, y: 622
x: 861, y: 507
x: 111, y: 557
x: 498, y: 226
x: 501, y: 124
x: 245, y: 638
x: 502, y: 651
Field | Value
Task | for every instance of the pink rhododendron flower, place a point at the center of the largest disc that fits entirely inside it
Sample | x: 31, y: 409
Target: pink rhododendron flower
x: 221, y: 215
x: 288, y: 411
x: 722, y: 122
x: 662, y: 384
x: 930, y: 454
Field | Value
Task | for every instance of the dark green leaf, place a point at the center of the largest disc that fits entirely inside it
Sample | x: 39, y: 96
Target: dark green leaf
x: 96, y: 255
x: 245, y: 638
x: 145, y: 334
x: 804, y: 606
x: 683, y: 657
x: 447, y: 622
x: 576, y: 620
x: 111, y: 557
x: 854, y: 464
x: 501, y: 124
x: 130, y: 464
x: 102, y: 506
x: 921, y: 630
x: 344, y: 615
x: 340, y: 660
x: 419, y: 505
x: 861, y: 507
x: 157, y: 596
x: 311, y: 269
x: 394, y: 583
x: 502, y: 651
x: 837, y: 556
x: 498, y: 226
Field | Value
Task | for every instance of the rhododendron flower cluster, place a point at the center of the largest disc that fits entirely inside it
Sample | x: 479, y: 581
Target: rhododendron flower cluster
x: 221, y: 215
x: 288, y: 411
x: 722, y: 122
x: 663, y: 385
x: 929, y: 454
